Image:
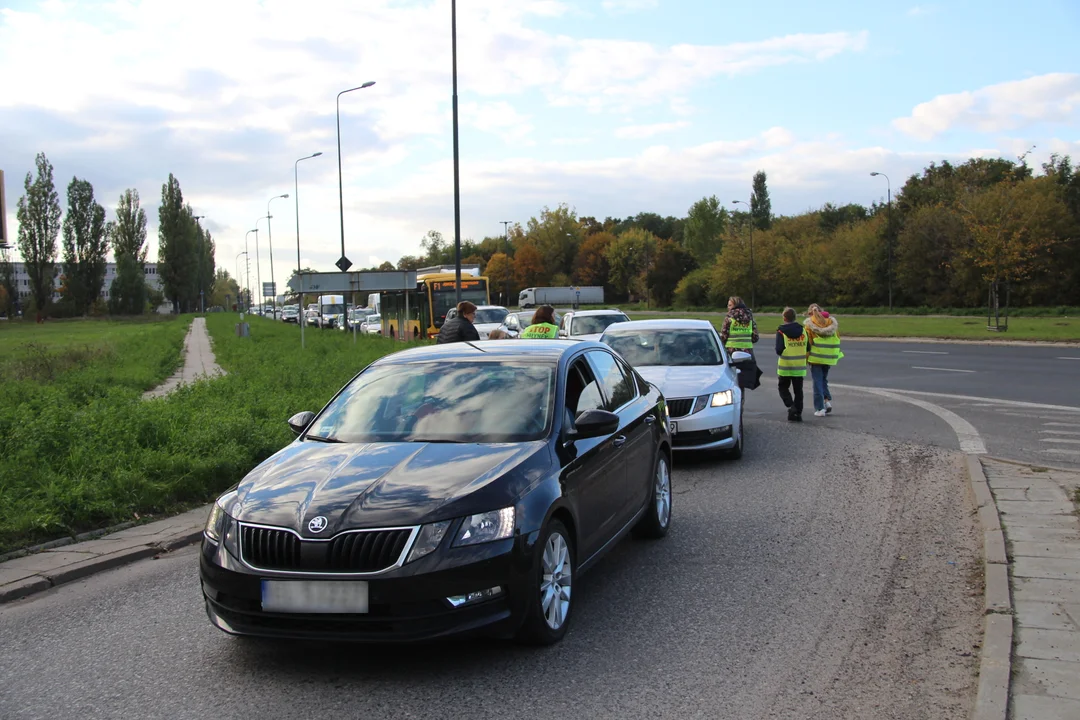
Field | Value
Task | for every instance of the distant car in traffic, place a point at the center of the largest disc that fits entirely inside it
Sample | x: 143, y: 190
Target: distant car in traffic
x: 687, y: 361
x: 515, y: 322
x: 356, y: 317
x: 589, y: 324
x: 290, y: 313
x: 445, y: 489
x: 488, y: 318
x: 372, y: 325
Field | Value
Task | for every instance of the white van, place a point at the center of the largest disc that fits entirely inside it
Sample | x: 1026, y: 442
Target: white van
x: 331, y: 311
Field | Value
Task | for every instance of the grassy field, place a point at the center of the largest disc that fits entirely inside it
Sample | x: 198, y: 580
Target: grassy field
x: 1058, y: 329
x: 80, y: 449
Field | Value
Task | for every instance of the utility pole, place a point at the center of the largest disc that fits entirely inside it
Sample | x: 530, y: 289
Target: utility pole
x: 506, y: 238
x: 457, y: 187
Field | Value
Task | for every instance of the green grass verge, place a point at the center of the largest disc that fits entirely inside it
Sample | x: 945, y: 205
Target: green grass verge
x: 82, y: 450
x: 1060, y: 329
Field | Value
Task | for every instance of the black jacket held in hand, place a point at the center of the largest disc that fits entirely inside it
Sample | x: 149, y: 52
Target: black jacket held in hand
x: 457, y: 329
x: 792, y: 329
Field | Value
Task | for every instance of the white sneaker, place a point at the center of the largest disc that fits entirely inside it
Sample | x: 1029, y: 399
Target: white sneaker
x: 828, y: 406
x: 819, y: 413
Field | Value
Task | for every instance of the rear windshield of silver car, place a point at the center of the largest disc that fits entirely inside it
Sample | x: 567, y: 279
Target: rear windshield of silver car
x: 686, y: 347
x: 462, y: 402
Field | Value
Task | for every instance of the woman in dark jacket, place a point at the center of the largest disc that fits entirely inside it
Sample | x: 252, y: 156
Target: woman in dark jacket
x: 459, y: 328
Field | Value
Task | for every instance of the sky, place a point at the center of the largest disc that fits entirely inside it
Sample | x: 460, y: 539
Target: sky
x: 613, y: 107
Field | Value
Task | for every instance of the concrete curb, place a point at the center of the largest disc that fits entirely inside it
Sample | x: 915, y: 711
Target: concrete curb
x: 995, y: 660
x: 75, y: 571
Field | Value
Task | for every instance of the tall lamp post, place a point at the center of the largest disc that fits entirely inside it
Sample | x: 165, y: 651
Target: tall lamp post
x: 457, y: 186
x: 506, y: 239
x: 258, y: 271
x: 750, y: 209
x: 202, y: 296
x: 296, y: 196
x: 240, y: 299
x: 888, y: 233
x: 343, y: 263
x: 270, y: 240
x: 247, y: 263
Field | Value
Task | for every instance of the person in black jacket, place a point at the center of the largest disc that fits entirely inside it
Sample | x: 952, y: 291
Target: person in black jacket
x: 459, y: 328
x: 794, y: 331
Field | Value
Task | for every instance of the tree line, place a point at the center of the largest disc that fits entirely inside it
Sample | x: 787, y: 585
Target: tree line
x: 954, y: 235
x: 185, y: 251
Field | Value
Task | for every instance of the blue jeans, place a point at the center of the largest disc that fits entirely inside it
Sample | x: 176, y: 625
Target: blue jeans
x: 820, y: 374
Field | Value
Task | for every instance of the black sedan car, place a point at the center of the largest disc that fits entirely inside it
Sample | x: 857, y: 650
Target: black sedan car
x: 449, y: 489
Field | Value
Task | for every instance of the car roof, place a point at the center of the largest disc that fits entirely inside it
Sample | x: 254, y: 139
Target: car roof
x: 664, y: 324
x: 587, y: 313
x: 550, y: 350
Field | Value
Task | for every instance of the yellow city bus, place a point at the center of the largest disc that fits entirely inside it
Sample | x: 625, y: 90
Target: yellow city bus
x: 422, y: 312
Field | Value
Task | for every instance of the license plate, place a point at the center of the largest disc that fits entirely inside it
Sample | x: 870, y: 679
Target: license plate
x: 673, y: 427
x: 315, y: 596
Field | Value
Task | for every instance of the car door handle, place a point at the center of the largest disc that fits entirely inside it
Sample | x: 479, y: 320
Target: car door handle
x: 649, y: 419
x: 619, y: 441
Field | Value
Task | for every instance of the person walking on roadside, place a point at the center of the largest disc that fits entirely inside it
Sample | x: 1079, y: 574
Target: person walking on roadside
x: 791, y: 364
x: 459, y: 328
x: 739, y: 331
x: 543, y: 325
x: 823, y: 352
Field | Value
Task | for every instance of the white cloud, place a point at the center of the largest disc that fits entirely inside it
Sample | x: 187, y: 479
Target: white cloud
x: 628, y: 6
x: 922, y: 10
x: 638, y: 132
x: 498, y: 118
x: 1053, y: 98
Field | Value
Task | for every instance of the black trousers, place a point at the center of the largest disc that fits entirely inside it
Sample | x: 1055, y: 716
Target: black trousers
x: 793, y: 404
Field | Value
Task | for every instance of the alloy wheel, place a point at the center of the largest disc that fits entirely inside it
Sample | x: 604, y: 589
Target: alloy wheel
x: 555, y: 584
x: 663, y: 493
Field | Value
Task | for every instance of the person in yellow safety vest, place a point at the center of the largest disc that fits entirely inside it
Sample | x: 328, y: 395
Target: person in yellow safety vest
x: 823, y: 352
x: 543, y: 325
x: 791, y: 344
x: 739, y: 331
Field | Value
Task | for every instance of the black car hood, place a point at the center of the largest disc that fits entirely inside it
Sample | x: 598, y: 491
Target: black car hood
x: 384, y: 484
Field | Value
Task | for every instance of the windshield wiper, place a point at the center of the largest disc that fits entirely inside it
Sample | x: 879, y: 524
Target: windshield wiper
x: 433, y: 440
x: 320, y: 438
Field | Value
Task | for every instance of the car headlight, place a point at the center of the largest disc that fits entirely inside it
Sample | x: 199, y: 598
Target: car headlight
x: 428, y: 539
x: 722, y: 398
x: 486, y: 527
x: 216, y: 521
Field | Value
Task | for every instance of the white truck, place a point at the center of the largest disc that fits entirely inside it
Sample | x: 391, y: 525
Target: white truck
x: 574, y: 296
x: 331, y: 311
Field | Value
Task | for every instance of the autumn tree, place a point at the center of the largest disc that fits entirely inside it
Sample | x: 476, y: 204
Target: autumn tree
x: 628, y: 258
x: 671, y: 264
x: 500, y: 274
x: 38, y: 212
x: 591, y: 264
x: 557, y: 235
x: 529, y: 267
x: 704, y: 229
x: 226, y: 290
x: 85, y: 244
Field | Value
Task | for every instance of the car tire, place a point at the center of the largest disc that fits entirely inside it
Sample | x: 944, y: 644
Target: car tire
x: 549, y: 608
x: 656, y: 521
x: 735, y: 452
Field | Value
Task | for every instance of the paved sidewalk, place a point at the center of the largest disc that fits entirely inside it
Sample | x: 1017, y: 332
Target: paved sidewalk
x: 1042, y: 530
x: 42, y: 570
x: 198, y: 361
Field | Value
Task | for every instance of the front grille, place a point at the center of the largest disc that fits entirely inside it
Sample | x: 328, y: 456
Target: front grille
x: 680, y: 407
x: 352, y: 552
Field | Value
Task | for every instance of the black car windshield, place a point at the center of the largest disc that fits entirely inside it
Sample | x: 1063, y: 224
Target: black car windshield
x: 490, y: 315
x: 332, y: 309
x: 641, y: 348
x: 484, y: 402
x: 594, y: 324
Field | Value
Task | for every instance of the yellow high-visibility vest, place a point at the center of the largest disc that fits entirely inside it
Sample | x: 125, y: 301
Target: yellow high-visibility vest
x: 540, y: 331
x: 825, y: 350
x: 740, y: 336
x: 793, y: 362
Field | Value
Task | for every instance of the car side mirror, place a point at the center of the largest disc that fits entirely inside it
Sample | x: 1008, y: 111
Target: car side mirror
x: 739, y: 357
x: 594, y: 423
x: 563, y: 333
x: 299, y: 422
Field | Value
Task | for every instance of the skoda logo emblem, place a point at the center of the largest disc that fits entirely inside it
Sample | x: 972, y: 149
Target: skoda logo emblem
x: 317, y: 524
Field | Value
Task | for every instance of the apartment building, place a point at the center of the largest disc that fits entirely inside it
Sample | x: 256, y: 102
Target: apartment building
x: 22, y: 280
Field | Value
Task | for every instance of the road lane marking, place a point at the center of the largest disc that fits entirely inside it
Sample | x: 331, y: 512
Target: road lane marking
x: 1067, y: 441
x: 1069, y: 358
x: 1056, y: 451
x: 927, y: 352
x: 970, y: 440
x: 1057, y: 424
x: 995, y: 401
x: 919, y: 367
x: 1059, y: 432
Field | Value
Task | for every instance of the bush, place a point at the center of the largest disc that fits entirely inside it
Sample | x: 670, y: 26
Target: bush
x: 693, y: 290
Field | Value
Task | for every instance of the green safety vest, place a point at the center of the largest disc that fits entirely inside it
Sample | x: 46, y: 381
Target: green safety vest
x: 793, y: 362
x: 540, y: 331
x: 825, y: 350
x: 740, y: 336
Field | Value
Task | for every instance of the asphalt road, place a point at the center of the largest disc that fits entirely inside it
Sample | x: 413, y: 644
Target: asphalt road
x: 827, y: 574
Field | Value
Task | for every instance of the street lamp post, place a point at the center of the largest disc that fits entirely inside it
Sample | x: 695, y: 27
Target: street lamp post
x: 750, y: 208
x: 299, y: 278
x: 258, y: 271
x: 270, y: 240
x: 202, y: 296
x: 457, y: 186
x: 888, y: 233
x: 240, y: 293
x: 506, y: 239
x: 247, y: 262
x: 343, y: 262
